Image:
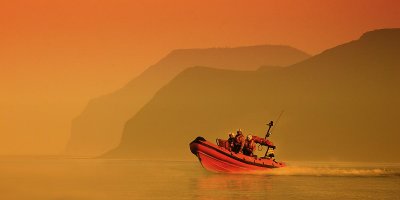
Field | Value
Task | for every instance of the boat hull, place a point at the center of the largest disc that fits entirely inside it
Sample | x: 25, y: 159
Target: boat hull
x: 218, y: 159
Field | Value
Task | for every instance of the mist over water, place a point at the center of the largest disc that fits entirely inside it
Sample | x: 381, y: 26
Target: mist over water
x: 336, y: 169
x: 309, y: 171
x: 48, y: 179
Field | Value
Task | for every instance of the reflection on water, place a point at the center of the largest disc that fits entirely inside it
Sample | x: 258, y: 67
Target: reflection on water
x: 128, y: 179
x: 232, y: 186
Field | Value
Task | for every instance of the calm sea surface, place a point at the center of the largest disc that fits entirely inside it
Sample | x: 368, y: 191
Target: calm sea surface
x: 70, y: 179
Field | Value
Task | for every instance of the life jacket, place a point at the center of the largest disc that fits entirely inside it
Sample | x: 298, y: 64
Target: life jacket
x: 231, y: 142
x: 249, y: 145
x: 239, y: 139
x: 238, y: 143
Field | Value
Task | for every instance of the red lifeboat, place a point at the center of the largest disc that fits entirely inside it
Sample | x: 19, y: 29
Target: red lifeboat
x: 219, y: 159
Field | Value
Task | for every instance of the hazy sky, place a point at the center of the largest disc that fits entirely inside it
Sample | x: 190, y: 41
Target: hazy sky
x: 56, y: 55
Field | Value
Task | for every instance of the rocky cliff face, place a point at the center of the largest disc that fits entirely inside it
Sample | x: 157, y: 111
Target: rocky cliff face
x: 99, y: 127
x: 342, y: 104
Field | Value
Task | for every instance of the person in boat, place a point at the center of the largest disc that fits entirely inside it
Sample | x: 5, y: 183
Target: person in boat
x: 231, y: 141
x: 249, y: 146
x: 239, y: 142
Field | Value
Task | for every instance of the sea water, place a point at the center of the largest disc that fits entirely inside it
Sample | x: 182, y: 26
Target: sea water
x: 86, y: 179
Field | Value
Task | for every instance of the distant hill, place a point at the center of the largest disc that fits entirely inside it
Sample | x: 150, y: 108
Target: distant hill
x: 99, y: 127
x: 340, y: 105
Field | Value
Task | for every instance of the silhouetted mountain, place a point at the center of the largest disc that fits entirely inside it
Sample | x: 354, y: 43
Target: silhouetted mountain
x: 342, y: 104
x: 100, y: 126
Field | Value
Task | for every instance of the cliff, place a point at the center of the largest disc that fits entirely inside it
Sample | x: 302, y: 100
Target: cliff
x: 342, y: 104
x: 99, y: 127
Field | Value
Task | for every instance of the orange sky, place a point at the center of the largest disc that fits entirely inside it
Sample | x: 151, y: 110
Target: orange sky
x: 55, y: 55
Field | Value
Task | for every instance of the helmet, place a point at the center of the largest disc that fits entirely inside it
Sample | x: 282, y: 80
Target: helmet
x: 232, y: 134
x: 249, y: 137
x: 239, y: 131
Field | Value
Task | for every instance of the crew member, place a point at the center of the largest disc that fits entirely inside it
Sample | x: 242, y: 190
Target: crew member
x: 239, y: 142
x: 249, y: 146
x: 231, y: 141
